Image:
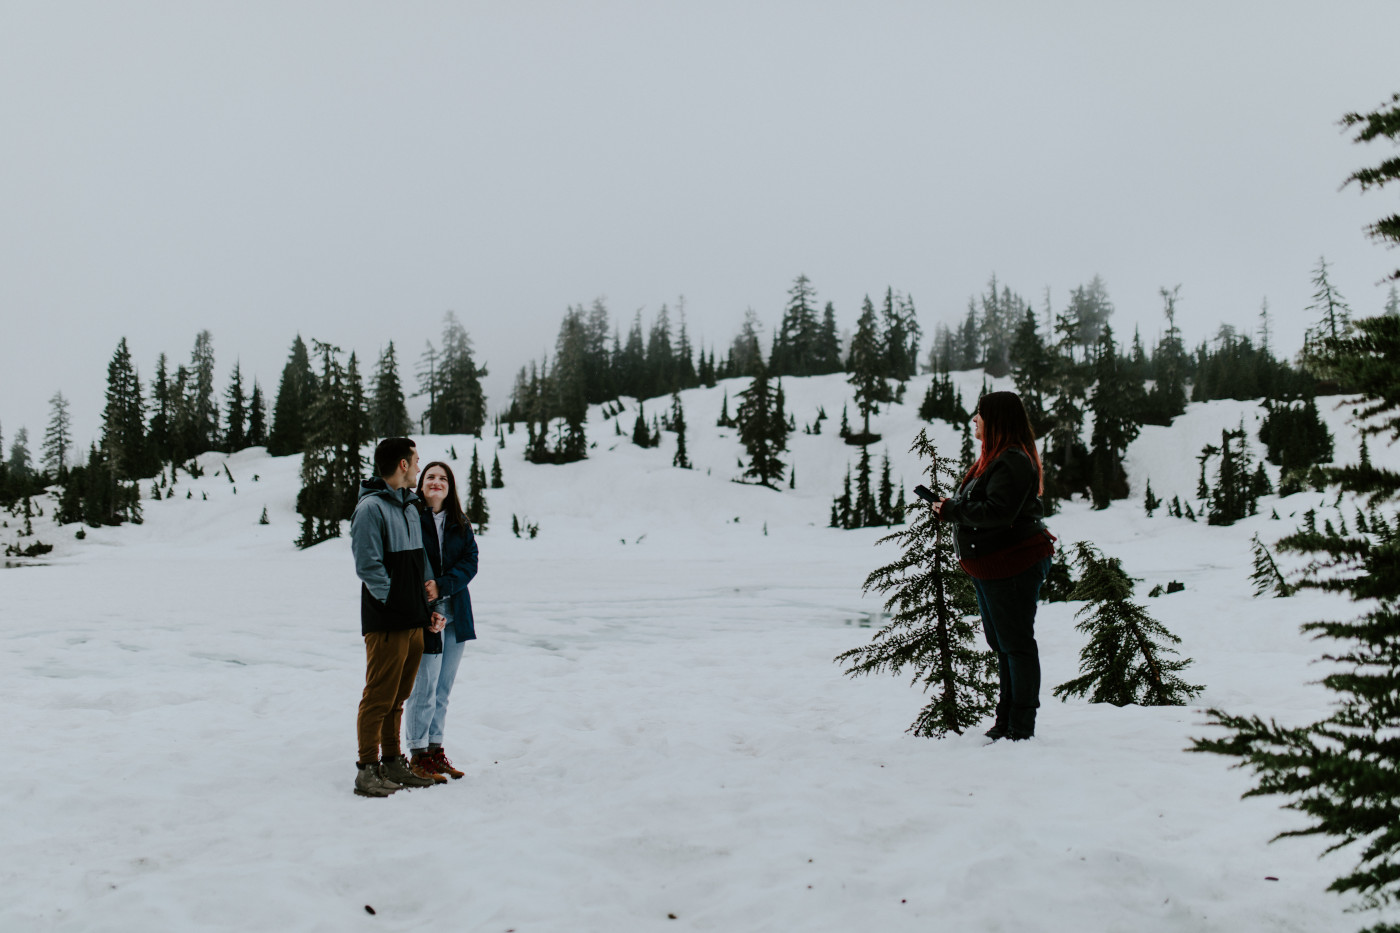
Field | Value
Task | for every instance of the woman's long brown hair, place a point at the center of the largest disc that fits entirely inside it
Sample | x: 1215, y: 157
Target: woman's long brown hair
x: 452, y: 505
x: 1005, y: 424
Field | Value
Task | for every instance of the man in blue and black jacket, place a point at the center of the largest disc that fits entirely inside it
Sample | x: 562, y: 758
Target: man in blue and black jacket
x: 396, y: 593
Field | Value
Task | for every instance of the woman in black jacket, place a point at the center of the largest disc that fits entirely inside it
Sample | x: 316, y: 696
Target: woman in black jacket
x: 452, y: 554
x: 1004, y: 546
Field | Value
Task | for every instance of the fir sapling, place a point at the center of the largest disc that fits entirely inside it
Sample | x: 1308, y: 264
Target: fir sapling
x: 1266, y: 576
x: 931, y: 604
x: 1127, y: 660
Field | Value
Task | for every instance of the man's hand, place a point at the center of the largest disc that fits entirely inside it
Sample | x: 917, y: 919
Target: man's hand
x: 431, y: 587
x: 438, y: 623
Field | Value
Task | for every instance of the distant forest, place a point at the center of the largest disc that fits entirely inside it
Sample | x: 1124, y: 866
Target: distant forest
x: 1067, y: 364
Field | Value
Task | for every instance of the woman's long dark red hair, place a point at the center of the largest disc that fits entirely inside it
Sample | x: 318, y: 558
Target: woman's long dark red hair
x: 452, y: 505
x: 1005, y: 424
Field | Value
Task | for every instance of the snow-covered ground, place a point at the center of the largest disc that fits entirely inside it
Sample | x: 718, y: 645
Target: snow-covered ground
x: 651, y: 722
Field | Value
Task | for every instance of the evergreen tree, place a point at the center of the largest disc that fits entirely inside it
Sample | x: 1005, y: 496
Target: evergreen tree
x: 929, y: 631
x: 725, y: 421
x: 864, y: 513
x: 21, y: 465
x: 204, y: 411
x: 458, y: 405
x: 901, y: 334
x: 497, y: 480
x: 641, y: 433
x: 678, y: 425
x: 1235, y: 493
x: 1266, y: 576
x: 124, y: 417
x: 660, y: 357
x: 745, y: 355
x: 1340, y: 771
x: 236, y: 413
x: 257, y: 418
x: 868, y: 368
x: 885, y: 506
x: 426, y: 372
x: 160, y: 437
x: 1167, y: 399
x: 570, y: 383
x: 1126, y: 660
x: 763, y: 429
x: 1066, y: 459
x: 1118, y: 402
x: 969, y: 339
x: 687, y: 376
x: 842, y: 507
x: 1150, y: 502
x: 1032, y: 368
x: 1295, y: 439
x: 477, y: 512
x: 1333, y: 320
x: 58, y: 439
x: 295, y: 396
x: 942, y: 401
x: 828, y: 354
x: 332, y: 463
x: 388, y: 413
x: 1089, y: 309
x: 997, y: 326
x: 795, y: 345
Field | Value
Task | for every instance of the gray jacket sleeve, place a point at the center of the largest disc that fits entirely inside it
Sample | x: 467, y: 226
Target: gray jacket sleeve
x: 367, y: 544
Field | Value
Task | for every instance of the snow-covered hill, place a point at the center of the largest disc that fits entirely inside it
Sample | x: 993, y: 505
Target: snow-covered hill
x: 650, y: 722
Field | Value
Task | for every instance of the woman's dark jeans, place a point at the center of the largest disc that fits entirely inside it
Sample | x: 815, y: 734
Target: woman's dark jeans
x: 1008, y: 620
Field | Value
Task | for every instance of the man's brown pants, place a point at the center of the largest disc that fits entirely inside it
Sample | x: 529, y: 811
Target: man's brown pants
x: 391, y: 664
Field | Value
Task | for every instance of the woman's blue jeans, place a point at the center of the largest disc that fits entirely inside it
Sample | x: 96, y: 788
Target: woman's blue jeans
x: 426, y: 711
x: 1008, y: 621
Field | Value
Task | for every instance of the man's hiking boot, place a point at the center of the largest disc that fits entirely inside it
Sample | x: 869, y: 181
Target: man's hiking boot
x: 368, y: 783
x: 441, y: 765
x: 999, y: 730
x: 399, y: 771
x: 424, y: 766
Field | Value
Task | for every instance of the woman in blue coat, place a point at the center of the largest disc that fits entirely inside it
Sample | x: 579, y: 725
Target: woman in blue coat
x: 452, y: 553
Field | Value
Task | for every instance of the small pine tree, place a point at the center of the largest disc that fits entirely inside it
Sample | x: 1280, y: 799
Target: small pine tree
x: 641, y: 434
x: 966, y: 455
x: 841, y: 505
x: 1125, y: 660
x: 497, y: 480
x: 724, y: 420
x: 678, y: 425
x: 263, y: 520
x: 1150, y: 502
x: 477, y: 512
x: 886, y: 501
x: 1266, y: 576
x: 929, y: 632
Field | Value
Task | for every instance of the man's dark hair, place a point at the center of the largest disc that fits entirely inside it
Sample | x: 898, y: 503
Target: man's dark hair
x: 390, y: 452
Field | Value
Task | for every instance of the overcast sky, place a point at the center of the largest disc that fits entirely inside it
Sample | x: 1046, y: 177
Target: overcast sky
x: 350, y: 171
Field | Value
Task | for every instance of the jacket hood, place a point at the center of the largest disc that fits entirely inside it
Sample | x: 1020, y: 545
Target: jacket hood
x: 377, y: 487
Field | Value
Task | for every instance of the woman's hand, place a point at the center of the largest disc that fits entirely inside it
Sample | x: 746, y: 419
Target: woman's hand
x: 938, y: 508
x: 431, y: 587
x: 438, y: 623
